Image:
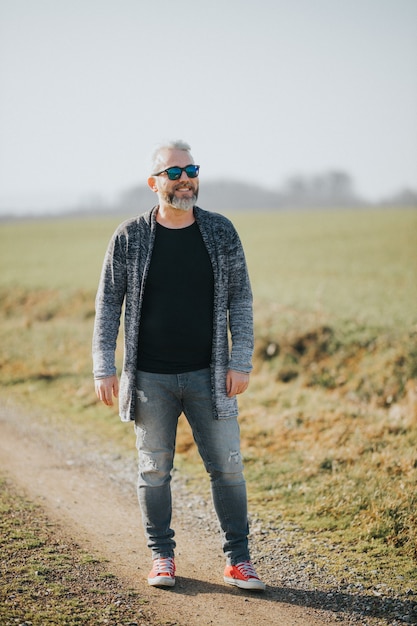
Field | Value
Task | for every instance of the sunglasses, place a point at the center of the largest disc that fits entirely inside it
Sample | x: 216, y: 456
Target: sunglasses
x: 174, y: 173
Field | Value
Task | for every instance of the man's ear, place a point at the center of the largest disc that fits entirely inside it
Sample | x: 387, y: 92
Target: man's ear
x: 152, y: 183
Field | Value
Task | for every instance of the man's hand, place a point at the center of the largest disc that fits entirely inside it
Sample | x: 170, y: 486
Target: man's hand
x: 106, y: 388
x: 236, y: 382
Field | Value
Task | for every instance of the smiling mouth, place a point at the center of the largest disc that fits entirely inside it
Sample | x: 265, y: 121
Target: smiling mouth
x: 184, y: 187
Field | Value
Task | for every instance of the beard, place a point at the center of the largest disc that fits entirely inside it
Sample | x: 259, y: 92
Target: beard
x: 183, y: 204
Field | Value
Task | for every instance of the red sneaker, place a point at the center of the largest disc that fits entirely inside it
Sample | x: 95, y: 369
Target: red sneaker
x: 162, y: 573
x: 243, y: 575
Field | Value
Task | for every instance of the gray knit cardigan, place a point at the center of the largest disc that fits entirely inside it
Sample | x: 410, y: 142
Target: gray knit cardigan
x: 123, y: 280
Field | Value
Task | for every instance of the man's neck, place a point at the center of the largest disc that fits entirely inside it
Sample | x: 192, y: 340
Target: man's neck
x: 170, y: 217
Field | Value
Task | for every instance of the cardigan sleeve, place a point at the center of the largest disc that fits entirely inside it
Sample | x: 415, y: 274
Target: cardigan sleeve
x: 109, y: 302
x: 240, y: 307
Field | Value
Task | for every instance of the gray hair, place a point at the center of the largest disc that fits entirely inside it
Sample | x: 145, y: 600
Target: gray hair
x: 155, y: 158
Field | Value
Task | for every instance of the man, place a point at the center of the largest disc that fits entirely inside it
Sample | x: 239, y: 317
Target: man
x: 181, y: 273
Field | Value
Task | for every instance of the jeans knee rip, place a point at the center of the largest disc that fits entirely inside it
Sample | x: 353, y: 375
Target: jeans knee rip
x: 234, y: 456
x: 148, y: 464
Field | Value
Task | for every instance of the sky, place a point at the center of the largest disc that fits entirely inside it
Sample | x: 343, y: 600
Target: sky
x: 261, y: 89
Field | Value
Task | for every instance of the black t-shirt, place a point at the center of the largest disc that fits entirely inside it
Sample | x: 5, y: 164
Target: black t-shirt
x: 176, y: 326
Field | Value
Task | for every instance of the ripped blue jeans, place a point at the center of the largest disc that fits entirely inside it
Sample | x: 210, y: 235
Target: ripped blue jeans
x: 161, y: 398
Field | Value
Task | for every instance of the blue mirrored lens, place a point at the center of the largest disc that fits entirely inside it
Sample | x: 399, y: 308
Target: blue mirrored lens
x: 174, y: 173
x: 191, y: 171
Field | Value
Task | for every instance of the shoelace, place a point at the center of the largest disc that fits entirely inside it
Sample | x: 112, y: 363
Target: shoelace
x: 164, y: 566
x: 246, y: 568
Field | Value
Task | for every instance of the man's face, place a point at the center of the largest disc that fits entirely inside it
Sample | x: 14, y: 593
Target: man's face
x: 182, y: 193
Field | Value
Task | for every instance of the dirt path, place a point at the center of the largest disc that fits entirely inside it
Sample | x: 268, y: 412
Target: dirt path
x: 101, y: 513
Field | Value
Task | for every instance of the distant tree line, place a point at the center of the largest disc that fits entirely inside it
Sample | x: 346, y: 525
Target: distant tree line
x: 332, y: 189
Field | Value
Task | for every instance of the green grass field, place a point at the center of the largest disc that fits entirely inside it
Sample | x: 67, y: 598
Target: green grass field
x: 352, y: 264
x: 329, y: 423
